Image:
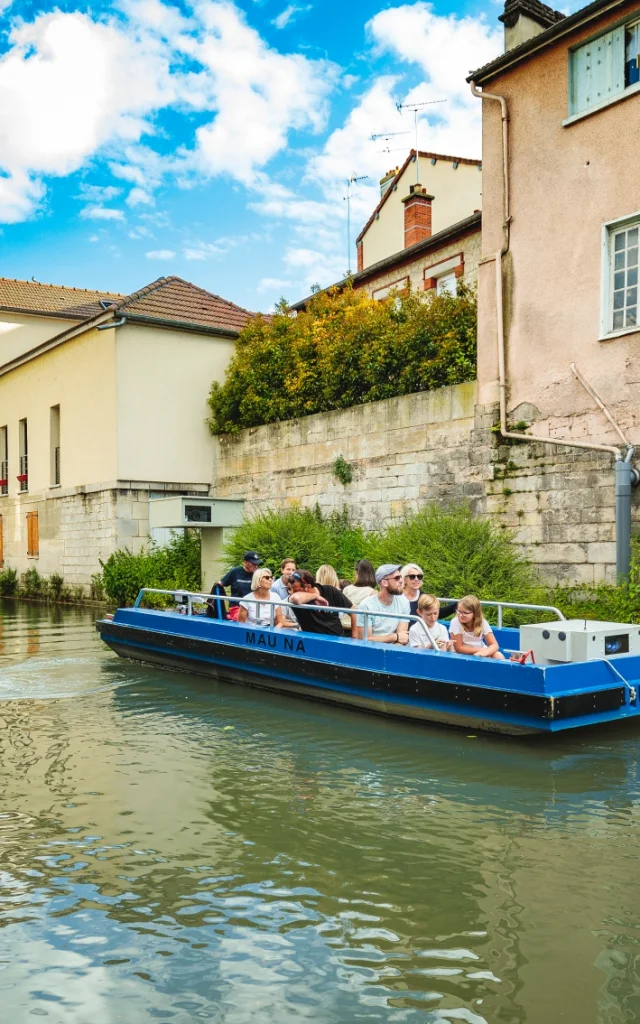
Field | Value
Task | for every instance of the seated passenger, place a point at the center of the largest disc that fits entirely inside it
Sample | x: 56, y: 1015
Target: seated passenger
x: 287, y: 566
x: 471, y: 633
x: 365, y: 584
x: 428, y: 611
x: 328, y: 576
x: 260, y: 614
x: 413, y: 576
x: 305, y: 593
x: 383, y: 629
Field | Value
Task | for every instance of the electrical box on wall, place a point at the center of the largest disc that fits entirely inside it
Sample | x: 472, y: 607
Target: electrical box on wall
x: 579, y: 640
x: 177, y: 512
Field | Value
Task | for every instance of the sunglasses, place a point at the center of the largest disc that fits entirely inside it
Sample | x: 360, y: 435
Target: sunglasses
x: 414, y: 576
x: 395, y: 578
x: 296, y: 576
x: 267, y: 576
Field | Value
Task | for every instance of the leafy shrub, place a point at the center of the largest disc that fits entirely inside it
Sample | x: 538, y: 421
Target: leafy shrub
x: 176, y: 566
x: 345, y: 349
x: 32, y: 584
x: 8, y: 582
x: 304, y: 534
x: 97, y: 587
x: 56, y: 586
x: 458, y: 552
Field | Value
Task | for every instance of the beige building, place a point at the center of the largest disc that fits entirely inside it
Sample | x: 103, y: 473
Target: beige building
x: 428, y: 194
x: 103, y: 404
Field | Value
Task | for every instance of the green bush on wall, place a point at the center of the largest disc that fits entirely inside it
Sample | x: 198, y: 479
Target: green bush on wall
x: 345, y: 349
x: 176, y: 566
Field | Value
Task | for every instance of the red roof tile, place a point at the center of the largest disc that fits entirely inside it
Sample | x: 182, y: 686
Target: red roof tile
x: 177, y: 301
x: 52, y: 299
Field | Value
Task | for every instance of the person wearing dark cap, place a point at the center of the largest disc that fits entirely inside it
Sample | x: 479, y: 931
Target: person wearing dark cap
x: 239, y: 578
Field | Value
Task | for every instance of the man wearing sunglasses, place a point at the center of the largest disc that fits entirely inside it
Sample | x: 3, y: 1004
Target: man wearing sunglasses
x: 389, y: 599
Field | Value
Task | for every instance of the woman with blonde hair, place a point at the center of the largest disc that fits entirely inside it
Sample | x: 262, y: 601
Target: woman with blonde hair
x: 328, y: 576
x: 471, y: 633
x: 260, y: 614
x: 413, y: 576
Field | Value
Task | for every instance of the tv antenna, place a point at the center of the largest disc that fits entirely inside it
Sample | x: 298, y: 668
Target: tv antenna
x: 386, y: 136
x: 416, y: 107
x: 353, y: 180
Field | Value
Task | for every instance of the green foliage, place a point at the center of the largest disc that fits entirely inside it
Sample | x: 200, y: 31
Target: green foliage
x: 343, y: 471
x: 174, y: 567
x: 345, y: 349
x: 56, y: 586
x: 97, y: 587
x: 458, y: 552
x: 8, y: 582
x: 32, y: 584
x: 304, y: 534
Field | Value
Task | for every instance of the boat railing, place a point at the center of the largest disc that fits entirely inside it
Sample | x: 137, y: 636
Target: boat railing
x: 188, y: 596
x: 510, y: 604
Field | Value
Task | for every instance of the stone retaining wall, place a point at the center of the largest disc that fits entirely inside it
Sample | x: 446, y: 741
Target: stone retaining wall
x: 434, y: 446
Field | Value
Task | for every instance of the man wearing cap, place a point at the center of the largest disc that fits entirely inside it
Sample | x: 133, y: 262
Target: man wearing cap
x: 389, y: 599
x: 239, y: 579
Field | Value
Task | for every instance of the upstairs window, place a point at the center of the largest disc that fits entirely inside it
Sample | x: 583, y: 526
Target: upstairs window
x: 4, y: 461
x: 604, y: 69
x: 23, y: 475
x: 620, y: 276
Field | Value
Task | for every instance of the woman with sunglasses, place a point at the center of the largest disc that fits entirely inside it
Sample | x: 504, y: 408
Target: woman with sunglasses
x: 413, y: 576
x: 260, y: 614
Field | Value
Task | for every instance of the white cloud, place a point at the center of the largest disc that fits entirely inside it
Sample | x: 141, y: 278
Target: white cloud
x: 259, y: 94
x: 288, y: 14
x: 94, y: 238
x: 272, y: 284
x: 67, y: 86
x: 140, y: 231
x: 139, y: 197
x: 160, y: 254
x: 101, y: 213
x: 98, y: 193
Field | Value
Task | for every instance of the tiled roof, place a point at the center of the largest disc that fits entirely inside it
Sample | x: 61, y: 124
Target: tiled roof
x: 52, y: 299
x: 563, y: 26
x: 400, y: 172
x: 173, y: 300
x: 533, y: 8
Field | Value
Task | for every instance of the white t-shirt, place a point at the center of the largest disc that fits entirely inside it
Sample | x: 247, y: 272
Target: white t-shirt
x: 259, y: 614
x: 470, y: 639
x: 381, y: 625
x: 418, y: 637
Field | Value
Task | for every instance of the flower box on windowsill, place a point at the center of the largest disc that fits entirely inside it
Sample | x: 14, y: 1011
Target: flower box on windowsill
x: 22, y: 477
x: 3, y: 483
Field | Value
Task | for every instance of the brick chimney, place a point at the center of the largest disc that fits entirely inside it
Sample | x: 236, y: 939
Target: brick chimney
x: 523, y: 19
x: 417, y: 215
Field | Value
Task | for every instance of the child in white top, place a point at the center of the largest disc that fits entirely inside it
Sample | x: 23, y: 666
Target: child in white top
x: 428, y: 610
x: 471, y: 633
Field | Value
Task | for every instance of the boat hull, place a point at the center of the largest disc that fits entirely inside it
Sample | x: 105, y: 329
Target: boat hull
x: 457, y: 691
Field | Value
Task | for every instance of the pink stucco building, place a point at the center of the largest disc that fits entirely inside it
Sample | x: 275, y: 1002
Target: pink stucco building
x: 571, y: 93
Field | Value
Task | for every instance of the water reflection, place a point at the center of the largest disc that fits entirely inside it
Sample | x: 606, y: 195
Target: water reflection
x: 184, y: 850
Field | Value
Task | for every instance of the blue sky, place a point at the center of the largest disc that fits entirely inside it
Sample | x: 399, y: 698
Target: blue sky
x: 213, y: 140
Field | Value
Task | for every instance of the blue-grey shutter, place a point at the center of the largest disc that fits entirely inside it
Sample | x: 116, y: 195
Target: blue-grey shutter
x: 597, y: 71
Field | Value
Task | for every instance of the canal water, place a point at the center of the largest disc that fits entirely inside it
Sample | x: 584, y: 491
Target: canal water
x: 172, y: 849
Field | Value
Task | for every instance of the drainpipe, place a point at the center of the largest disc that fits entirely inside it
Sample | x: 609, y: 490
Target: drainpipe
x: 625, y: 477
x: 112, y: 324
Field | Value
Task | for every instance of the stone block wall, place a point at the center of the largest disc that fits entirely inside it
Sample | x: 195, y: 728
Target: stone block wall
x: 434, y: 446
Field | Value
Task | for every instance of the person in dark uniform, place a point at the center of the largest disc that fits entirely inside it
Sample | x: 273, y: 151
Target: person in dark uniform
x: 239, y: 578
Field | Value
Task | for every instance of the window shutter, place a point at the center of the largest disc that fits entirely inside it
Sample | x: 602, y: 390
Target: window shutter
x: 33, y: 539
x: 597, y: 71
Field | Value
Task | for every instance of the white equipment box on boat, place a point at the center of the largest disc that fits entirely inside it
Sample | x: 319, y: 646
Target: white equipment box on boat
x: 579, y: 640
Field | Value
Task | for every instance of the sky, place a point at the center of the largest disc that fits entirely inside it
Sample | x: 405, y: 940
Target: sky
x: 214, y: 140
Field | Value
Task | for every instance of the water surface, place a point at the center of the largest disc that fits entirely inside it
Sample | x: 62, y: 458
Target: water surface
x: 173, y: 849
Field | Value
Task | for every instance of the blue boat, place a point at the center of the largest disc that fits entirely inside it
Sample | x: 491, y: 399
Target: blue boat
x: 508, y: 696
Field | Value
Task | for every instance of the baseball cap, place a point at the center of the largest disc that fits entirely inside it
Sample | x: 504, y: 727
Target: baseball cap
x: 386, y: 570
x: 252, y: 556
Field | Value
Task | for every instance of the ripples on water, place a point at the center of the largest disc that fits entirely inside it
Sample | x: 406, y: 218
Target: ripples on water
x: 178, y: 850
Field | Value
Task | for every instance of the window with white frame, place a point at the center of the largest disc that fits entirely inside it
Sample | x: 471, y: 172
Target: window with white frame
x: 604, y: 69
x: 620, y: 276
x: 446, y: 283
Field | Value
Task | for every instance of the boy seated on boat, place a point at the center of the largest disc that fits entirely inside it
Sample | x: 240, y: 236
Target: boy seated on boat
x: 471, y: 633
x: 429, y: 611
x: 307, y: 596
x: 386, y: 629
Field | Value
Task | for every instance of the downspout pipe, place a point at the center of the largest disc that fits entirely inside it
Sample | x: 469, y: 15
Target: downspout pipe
x: 625, y: 477
x: 112, y: 324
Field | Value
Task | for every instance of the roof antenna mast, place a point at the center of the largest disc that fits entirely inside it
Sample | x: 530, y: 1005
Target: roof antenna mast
x: 351, y: 181
x: 416, y: 107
